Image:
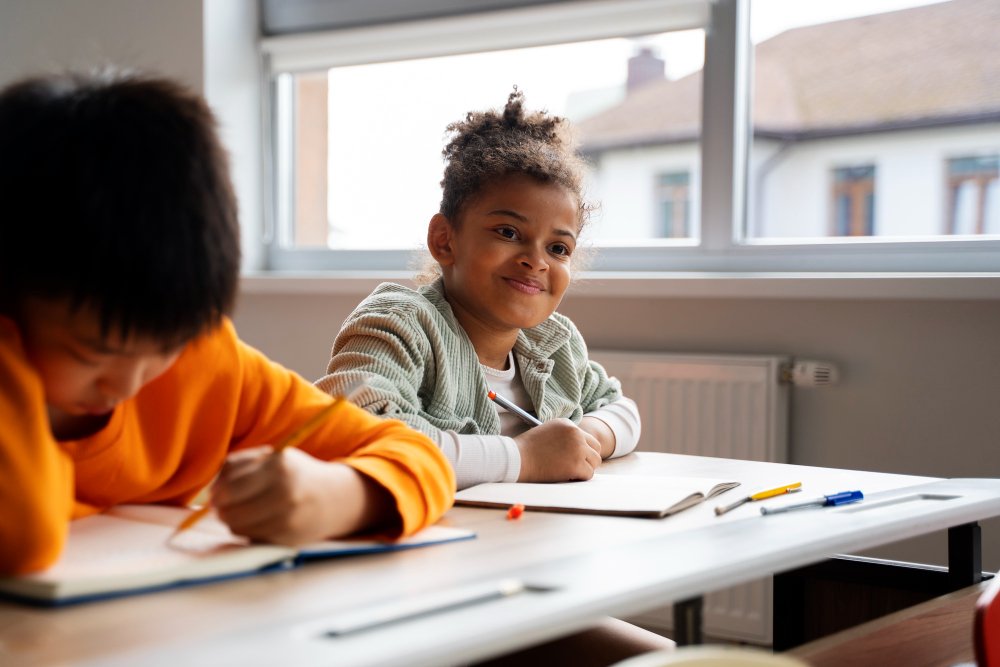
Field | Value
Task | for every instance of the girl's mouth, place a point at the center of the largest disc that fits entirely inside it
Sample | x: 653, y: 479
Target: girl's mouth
x: 524, y: 287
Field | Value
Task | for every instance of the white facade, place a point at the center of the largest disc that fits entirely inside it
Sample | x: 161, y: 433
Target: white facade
x: 623, y: 182
x: 790, y: 190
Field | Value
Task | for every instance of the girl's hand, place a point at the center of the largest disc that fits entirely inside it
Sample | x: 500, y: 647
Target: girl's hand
x: 600, y: 430
x: 557, y: 451
x: 292, y: 498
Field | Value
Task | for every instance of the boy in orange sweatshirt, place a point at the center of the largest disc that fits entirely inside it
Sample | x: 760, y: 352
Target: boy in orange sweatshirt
x: 122, y: 379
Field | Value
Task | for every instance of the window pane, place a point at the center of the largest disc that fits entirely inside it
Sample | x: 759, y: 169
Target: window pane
x: 973, y: 182
x: 898, y: 85
x: 372, y: 135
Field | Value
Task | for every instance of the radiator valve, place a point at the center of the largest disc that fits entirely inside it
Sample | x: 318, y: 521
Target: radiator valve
x: 810, y: 373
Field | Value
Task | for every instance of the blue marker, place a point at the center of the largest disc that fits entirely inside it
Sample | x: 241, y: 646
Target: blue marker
x: 842, y: 498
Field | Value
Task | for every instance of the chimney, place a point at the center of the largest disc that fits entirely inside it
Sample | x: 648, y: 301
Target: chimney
x: 643, y: 68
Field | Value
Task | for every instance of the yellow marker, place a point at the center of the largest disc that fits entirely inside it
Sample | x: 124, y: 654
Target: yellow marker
x: 291, y: 440
x: 760, y: 495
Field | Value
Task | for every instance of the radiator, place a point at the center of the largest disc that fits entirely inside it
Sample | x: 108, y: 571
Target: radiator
x: 730, y: 406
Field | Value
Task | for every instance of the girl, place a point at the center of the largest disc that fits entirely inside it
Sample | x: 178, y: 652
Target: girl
x: 503, y: 244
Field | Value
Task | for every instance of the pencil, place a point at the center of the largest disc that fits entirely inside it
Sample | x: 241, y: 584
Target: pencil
x: 510, y: 407
x: 761, y: 495
x: 291, y: 440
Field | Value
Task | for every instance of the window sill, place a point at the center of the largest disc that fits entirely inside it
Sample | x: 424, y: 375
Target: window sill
x: 679, y: 285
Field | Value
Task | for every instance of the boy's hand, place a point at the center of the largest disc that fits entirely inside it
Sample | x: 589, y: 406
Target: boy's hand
x: 557, y: 451
x: 292, y: 498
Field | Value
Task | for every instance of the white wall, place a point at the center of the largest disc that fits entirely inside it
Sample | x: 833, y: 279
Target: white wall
x: 210, y: 45
x: 38, y: 36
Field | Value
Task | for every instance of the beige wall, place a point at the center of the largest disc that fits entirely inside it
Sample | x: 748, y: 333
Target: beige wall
x: 920, y: 380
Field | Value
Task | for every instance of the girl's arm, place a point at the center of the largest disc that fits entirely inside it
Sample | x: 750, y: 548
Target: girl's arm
x: 616, y: 426
x: 610, y: 417
x: 395, y: 358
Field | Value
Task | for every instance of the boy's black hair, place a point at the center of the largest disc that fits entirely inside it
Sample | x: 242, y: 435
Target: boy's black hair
x: 491, y: 144
x: 115, y: 194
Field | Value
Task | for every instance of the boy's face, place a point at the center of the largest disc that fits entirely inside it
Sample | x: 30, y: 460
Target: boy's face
x: 508, y: 259
x: 85, y: 373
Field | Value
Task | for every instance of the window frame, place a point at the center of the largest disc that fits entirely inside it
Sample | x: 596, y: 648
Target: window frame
x: 982, y: 184
x: 726, y: 137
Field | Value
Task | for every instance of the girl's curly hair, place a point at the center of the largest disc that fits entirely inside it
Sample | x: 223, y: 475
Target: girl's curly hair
x: 490, y: 144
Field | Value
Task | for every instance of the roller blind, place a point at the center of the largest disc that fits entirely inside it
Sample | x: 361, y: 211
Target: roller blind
x: 425, y: 28
x: 284, y: 17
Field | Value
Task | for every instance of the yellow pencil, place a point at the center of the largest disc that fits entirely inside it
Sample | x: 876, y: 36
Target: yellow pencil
x: 291, y: 440
x: 760, y: 495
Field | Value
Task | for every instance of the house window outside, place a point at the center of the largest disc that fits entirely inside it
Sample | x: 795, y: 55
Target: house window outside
x: 673, y: 196
x: 973, y: 195
x: 854, y: 201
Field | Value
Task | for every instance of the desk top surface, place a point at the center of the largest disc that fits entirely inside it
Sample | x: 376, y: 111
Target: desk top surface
x: 577, y: 568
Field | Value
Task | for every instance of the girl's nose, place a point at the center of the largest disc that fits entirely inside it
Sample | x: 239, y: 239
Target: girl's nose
x: 534, y: 258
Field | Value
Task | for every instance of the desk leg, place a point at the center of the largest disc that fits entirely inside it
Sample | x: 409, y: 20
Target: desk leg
x: 965, y: 555
x: 817, y: 600
x: 687, y: 621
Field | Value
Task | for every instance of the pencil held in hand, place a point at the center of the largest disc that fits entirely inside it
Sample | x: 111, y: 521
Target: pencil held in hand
x: 293, y: 439
x: 510, y: 407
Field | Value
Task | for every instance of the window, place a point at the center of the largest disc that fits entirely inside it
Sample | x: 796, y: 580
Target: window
x: 674, y: 204
x: 854, y: 201
x: 368, y: 138
x: 883, y: 88
x: 757, y: 137
x: 974, y: 195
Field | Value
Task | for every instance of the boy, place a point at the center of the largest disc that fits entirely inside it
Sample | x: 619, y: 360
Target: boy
x: 122, y: 379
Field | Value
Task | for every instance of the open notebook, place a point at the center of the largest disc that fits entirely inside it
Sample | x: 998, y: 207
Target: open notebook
x: 623, y: 495
x: 125, y: 551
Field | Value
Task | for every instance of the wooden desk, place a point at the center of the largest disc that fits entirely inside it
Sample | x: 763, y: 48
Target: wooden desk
x: 577, y: 568
x: 937, y: 633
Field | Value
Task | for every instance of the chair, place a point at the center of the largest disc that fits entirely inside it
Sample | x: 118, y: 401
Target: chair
x: 986, y: 626
x: 711, y: 656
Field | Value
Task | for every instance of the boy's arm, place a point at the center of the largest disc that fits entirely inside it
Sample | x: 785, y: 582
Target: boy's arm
x: 36, y: 476
x: 417, y: 481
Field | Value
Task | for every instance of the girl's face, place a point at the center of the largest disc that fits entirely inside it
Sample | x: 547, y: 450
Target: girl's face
x: 506, y: 261
x: 85, y: 373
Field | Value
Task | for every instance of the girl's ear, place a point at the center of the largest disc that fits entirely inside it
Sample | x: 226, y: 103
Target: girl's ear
x: 440, y: 235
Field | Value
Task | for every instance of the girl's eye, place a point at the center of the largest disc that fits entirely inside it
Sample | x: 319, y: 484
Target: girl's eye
x: 561, y: 249
x: 507, y: 232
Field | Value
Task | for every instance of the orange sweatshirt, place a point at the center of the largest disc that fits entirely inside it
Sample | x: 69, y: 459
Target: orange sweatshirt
x: 168, y: 442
